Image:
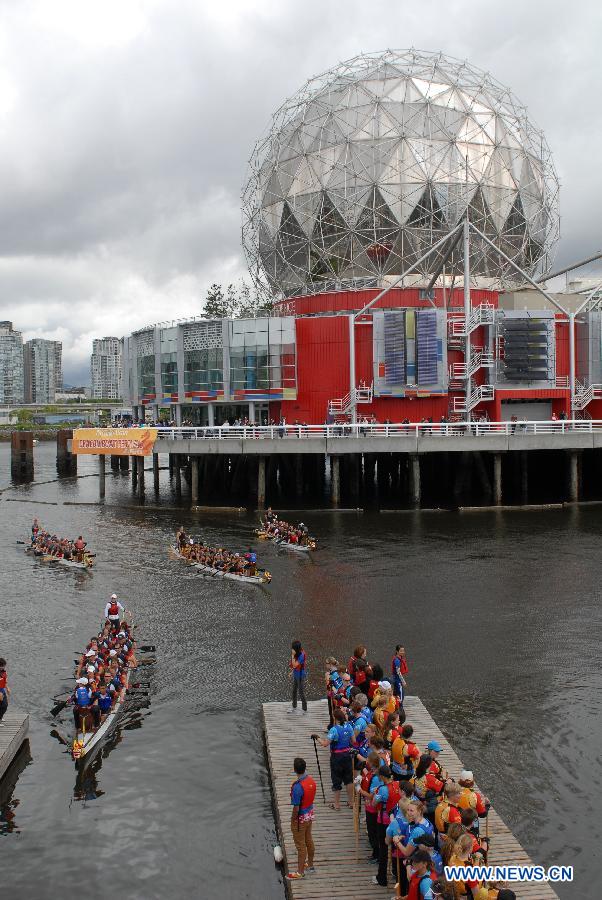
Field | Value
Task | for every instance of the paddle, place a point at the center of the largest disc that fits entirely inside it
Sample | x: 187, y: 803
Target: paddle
x: 314, y: 738
x: 60, y: 706
x: 148, y: 648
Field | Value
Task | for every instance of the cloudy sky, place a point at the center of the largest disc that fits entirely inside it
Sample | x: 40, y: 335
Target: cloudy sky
x: 125, y: 129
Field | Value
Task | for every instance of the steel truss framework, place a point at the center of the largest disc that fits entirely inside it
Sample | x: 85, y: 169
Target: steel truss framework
x: 369, y: 164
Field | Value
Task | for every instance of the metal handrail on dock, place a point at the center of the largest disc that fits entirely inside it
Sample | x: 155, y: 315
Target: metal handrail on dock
x: 341, y: 860
x: 377, y: 429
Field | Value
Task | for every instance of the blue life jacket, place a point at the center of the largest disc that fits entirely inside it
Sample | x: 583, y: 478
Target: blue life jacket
x: 253, y: 557
x: 104, y: 703
x: 360, y: 722
x: 343, y: 739
x: 368, y: 714
x: 336, y: 680
x: 82, y: 698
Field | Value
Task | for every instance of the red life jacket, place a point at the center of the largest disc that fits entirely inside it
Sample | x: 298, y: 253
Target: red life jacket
x: 114, y: 609
x: 308, y: 786
x: 415, y: 882
x: 367, y: 776
x: 2, y: 681
x: 393, y: 795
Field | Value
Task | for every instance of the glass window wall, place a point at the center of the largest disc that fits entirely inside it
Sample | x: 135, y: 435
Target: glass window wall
x: 262, y: 354
x: 204, y: 370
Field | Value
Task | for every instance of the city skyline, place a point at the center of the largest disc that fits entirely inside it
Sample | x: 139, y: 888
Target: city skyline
x: 121, y: 206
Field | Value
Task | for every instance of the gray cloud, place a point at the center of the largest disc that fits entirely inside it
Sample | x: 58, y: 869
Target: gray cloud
x: 125, y: 131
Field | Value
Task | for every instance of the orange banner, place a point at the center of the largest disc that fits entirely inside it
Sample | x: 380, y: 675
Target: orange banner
x: 114, y: 441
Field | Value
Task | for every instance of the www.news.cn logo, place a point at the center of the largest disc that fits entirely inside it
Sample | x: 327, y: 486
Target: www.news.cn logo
x: 508, y: 873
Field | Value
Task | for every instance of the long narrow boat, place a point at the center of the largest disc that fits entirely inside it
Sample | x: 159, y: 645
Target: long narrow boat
x: 298, y: 548
x: 85, y: 742
x: 70, y: 563
x: 263, y: 578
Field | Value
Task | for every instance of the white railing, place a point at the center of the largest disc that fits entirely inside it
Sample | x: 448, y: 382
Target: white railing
x: 370, y: 429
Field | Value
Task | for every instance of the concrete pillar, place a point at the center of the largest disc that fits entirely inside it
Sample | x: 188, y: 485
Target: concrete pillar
x: 251, y: 411
x: 21, y: 456
x: 134, y: 473
x: 210, y: 415
x: 141, y: 478
x: 573, y: 475
x: 170, y: 462
x: 102, y: 461
x: 524, y: 476
x: 156, y: 472
x: 124, y: 463
x: 178, y: 473
x: 261, y: 483
x: 497, y: 479
x: 194, y: 480
x: 115, y: 462
x: 335, y: 481
x: 415, y: 479
x: 178, y: 415
x: 66, y: 462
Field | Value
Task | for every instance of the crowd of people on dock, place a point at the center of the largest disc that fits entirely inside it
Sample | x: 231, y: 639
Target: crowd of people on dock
x: 277, y: 529
x: 101, y: 674
x: 418, y: 819
x: 217, y: 557
x: 47, y: 544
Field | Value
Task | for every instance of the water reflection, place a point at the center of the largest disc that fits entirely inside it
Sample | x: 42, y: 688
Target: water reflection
x: 8, y: 802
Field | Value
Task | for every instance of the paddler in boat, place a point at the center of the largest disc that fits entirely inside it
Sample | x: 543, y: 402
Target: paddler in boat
x: 82, y: 700
x: 79, y: 546
x: 251, y: 558
x: 113, y: 611
x: 34, y: 530
x: 181, y: 537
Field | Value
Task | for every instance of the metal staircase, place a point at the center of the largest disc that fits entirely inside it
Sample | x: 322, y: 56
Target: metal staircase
x: 584, y: 394
x: 340, y: 408
x: 480, y: 359
x: 480, y: 315
x: 480, y: 394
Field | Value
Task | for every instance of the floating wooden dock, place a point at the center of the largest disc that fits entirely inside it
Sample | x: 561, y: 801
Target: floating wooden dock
x: 342, y: 868
x: 12, y: 734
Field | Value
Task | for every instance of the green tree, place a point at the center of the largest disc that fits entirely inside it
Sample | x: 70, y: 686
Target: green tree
x: 24, y: 417
x: 235, y: 302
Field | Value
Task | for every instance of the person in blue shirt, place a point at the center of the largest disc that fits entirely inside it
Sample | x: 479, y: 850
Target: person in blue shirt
x: 298, y: 671
x: 339, y: 739
x: 303, y: 792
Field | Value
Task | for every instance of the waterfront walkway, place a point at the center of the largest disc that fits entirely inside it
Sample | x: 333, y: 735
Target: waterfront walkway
x: 12, y: 735
x: 364, y: 437
x: 342, y: 869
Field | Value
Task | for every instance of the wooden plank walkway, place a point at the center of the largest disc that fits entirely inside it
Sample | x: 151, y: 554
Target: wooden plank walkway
x: 342, y: 868
x: 12, y: 734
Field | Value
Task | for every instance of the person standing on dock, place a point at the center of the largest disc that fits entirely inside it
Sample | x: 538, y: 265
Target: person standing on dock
x: 399, y: 668
x: 4, y: 690
x: 339, y: 739
x: 298, y: 670
x: 303, y: 792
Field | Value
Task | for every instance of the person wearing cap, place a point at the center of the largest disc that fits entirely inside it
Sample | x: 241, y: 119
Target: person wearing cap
x: 113, y: 611
x: 433, y: 749
x: 82, y: 699
x: 470, y: 798
x: 422, y: 877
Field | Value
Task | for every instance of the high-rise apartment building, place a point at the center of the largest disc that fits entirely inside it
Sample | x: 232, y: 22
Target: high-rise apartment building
x: 43, y: 370
x: 105, y: 367
x: 11, y: 364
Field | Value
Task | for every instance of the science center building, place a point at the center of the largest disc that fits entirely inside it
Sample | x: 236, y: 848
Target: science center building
x: 401, y: 215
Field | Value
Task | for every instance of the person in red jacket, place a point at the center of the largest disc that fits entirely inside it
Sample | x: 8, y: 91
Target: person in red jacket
x: 303, y: 792
x: 422, y: 877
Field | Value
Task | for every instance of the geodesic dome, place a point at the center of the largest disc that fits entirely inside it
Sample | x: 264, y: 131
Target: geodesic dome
x: 371, y: 163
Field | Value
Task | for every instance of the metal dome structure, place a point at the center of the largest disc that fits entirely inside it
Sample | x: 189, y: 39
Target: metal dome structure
x: 371, y: 163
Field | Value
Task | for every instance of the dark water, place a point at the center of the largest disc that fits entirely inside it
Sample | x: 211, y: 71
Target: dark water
x: 500, y: 614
